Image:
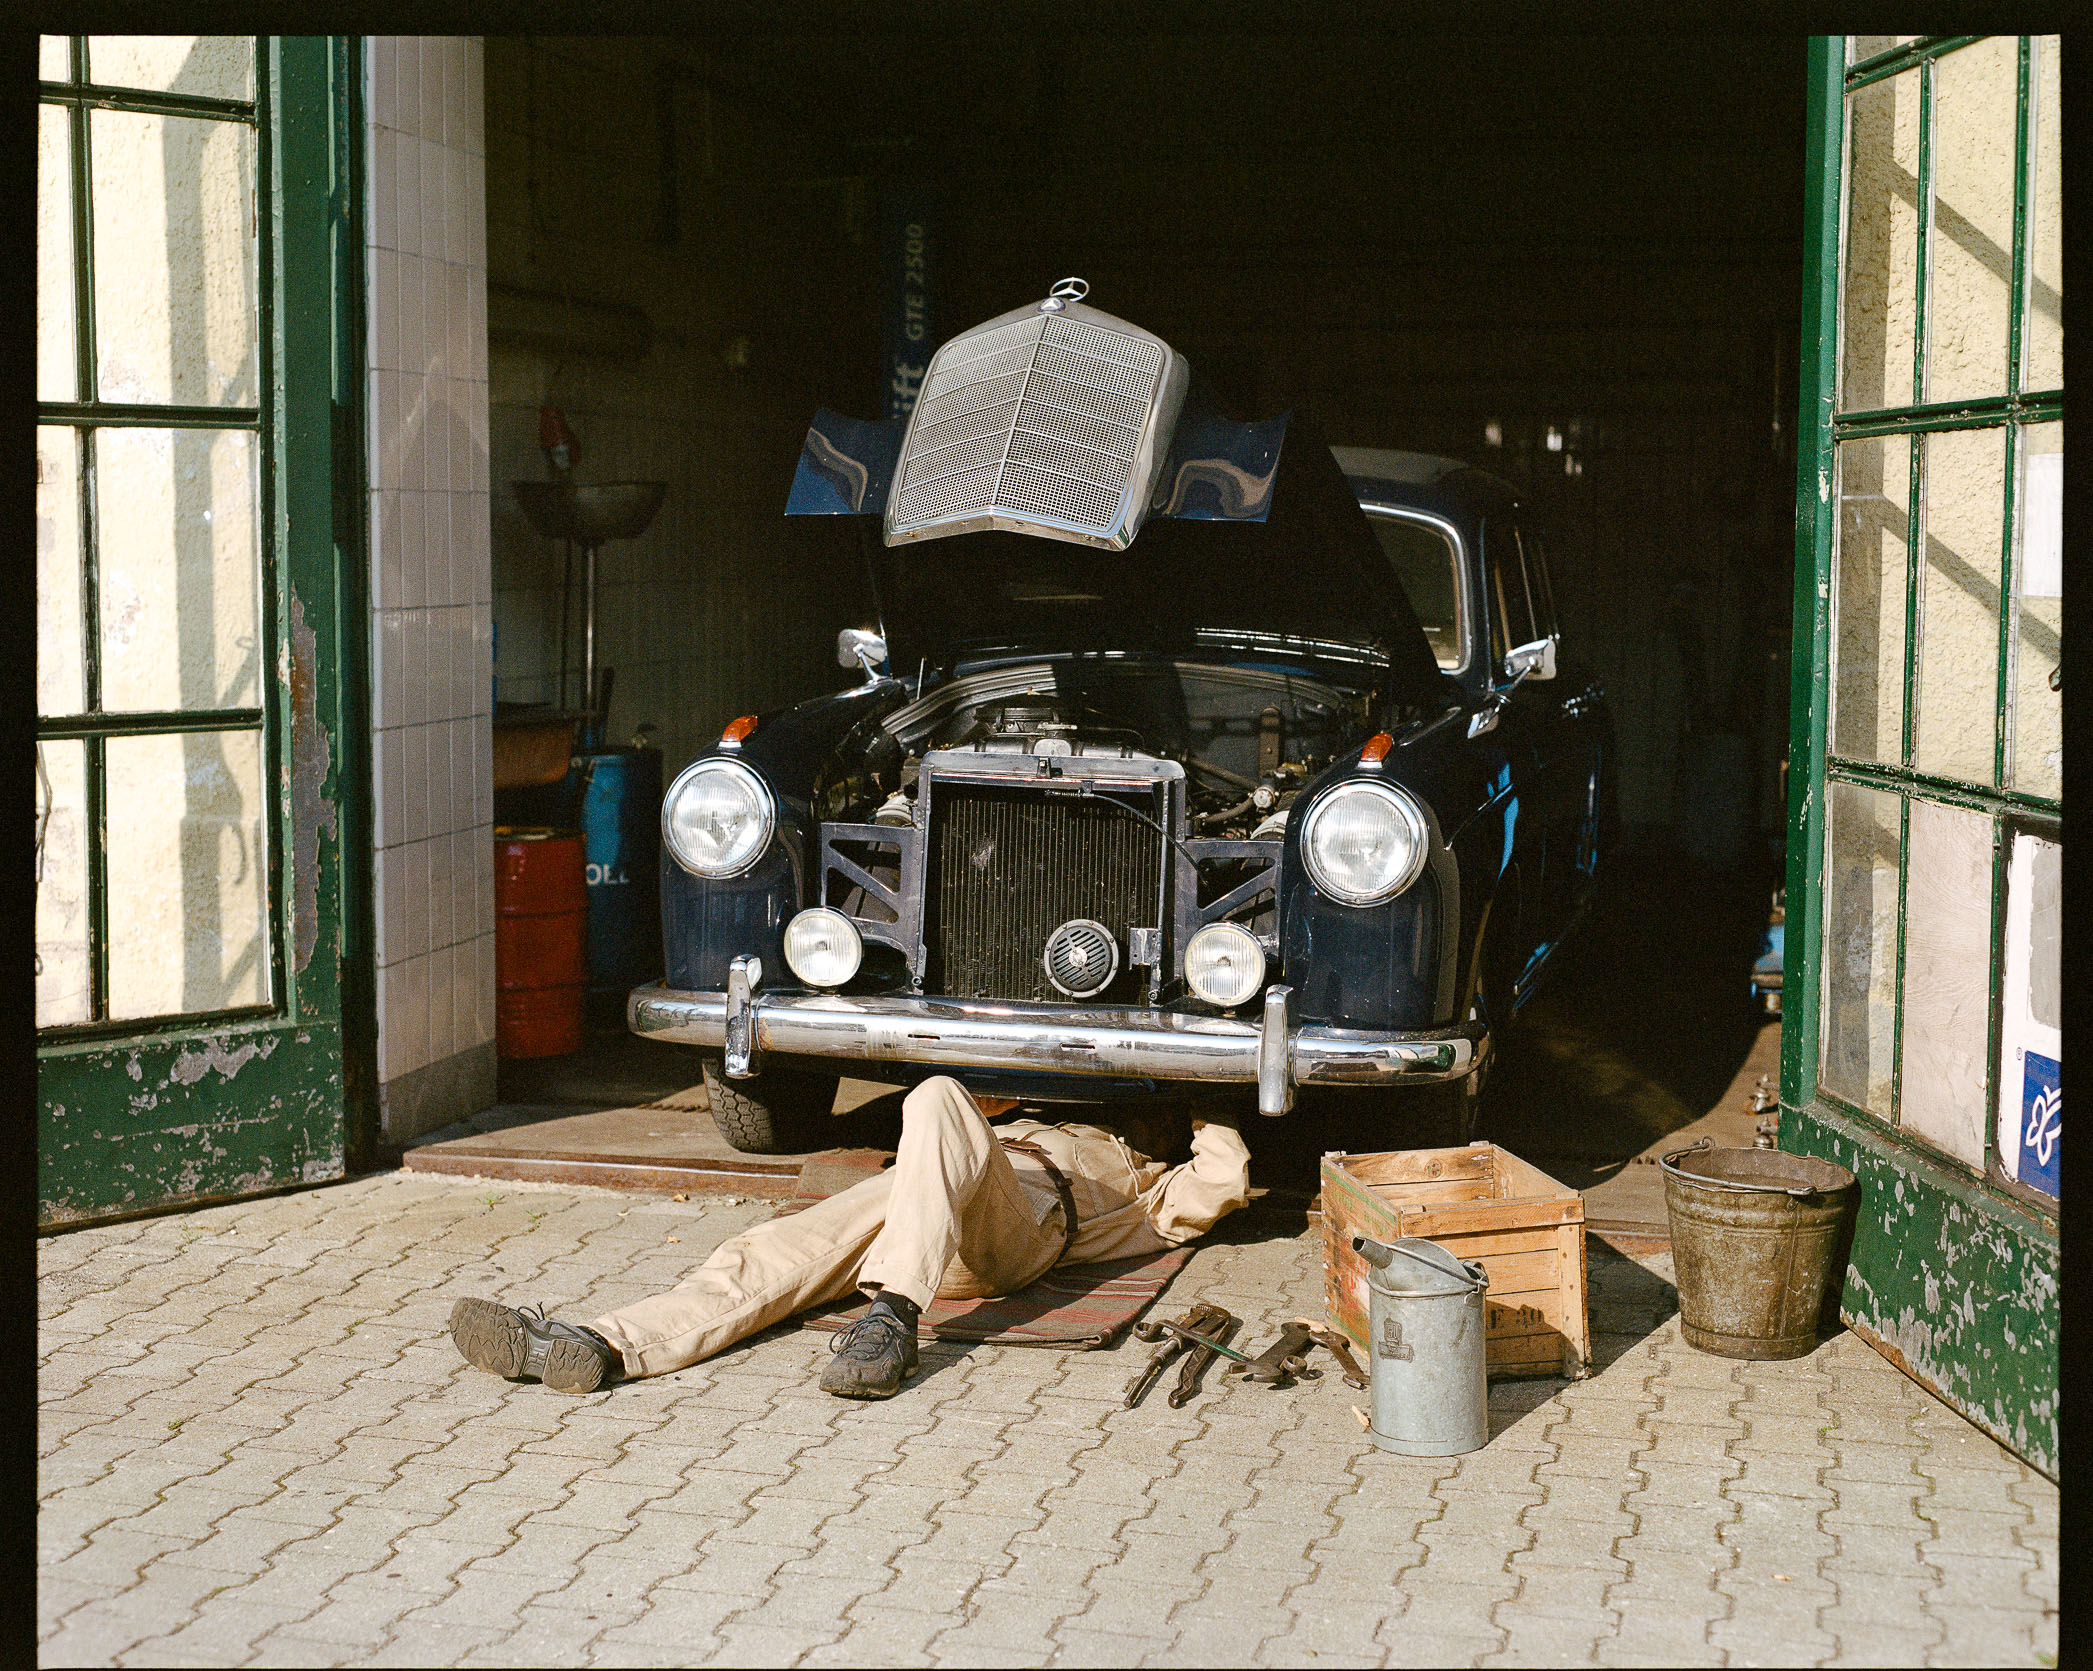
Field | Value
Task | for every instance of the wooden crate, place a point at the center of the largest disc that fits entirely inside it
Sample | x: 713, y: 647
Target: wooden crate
x: 1481, y: 1203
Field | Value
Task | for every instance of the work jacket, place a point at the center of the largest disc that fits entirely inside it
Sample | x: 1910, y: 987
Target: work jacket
x: 1126, y: 1203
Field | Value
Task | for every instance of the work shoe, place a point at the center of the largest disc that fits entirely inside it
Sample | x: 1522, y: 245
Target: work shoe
x: 527, y: 1345
x: 872, y: 1357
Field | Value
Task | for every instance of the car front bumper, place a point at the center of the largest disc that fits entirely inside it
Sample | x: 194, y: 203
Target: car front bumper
x: 1273, y: 1054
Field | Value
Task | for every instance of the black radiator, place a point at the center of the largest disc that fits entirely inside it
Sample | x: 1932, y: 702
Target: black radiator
x: 1009, y: 866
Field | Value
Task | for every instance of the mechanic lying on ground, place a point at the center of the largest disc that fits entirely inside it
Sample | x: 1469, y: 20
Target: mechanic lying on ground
x: 966, y: 1211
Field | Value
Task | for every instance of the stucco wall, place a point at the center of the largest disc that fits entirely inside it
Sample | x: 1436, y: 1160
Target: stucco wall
x: 432, y: 620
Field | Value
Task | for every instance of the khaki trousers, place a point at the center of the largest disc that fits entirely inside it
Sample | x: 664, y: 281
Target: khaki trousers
x: 949, y: 1217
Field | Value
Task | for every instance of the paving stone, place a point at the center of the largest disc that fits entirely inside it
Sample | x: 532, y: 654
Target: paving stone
x: 1004, y: 1510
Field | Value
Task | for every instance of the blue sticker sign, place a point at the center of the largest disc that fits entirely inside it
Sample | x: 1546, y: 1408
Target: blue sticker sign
x: 2041, y: 1124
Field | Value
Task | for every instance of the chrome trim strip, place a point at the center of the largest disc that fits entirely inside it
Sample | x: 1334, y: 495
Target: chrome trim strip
x: 1064, y: 1038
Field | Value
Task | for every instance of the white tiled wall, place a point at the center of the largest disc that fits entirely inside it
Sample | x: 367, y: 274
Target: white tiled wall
x: 432, y: 598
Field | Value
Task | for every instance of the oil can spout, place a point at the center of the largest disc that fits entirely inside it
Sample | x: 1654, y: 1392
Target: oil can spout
x: 1413, y: 1265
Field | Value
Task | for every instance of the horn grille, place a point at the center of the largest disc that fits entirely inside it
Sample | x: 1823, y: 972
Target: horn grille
x: 1042, y: 417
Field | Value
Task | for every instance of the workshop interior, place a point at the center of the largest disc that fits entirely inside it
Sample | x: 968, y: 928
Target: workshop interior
x: 1557, y: 508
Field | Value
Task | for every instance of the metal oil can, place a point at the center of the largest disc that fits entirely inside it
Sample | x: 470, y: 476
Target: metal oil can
x: 1427, y: 1320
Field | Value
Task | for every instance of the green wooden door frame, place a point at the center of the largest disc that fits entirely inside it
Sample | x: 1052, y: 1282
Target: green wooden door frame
x: 141, y: 1117
x: 1951, y: 1275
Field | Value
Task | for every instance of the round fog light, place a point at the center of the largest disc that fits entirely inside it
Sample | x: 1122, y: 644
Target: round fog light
x: 823, y: 947
x: 1225, y: 964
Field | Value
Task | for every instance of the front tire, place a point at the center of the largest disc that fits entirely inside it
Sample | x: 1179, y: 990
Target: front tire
x: 782, y: 1111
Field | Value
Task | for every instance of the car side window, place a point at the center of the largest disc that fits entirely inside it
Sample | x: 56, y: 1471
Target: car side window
x: 1538, y: 591
x: 1513, y: 623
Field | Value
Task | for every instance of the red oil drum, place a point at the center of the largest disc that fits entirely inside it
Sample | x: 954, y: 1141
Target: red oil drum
x: 541, y: 927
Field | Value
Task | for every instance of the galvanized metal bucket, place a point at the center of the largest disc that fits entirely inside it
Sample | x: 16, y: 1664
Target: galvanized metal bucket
x: 1753, y: 1234
x: 1427, y: 1321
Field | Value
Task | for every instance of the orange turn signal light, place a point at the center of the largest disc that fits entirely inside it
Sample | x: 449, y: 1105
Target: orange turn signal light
x: 1376, y: 750
x: 738, y: 729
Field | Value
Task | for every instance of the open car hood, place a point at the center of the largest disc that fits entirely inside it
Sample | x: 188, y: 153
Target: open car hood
x: 1061, y: 485
x: 1309, y: 581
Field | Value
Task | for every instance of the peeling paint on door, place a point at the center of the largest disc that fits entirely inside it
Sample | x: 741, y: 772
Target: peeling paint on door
x: 312, y: 811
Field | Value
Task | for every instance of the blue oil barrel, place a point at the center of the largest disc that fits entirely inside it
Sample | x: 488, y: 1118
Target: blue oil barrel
x: 620, y: 793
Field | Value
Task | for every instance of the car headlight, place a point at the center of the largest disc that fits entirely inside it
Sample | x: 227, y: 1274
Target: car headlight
x: 1225, y: 964
x: 823, y: 947
x: 1364, y: 842
x: 717, y: 818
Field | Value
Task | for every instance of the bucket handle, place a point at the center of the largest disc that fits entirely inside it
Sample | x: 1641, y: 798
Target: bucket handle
x: 1801, y: 1192
x: 1420, y: 1258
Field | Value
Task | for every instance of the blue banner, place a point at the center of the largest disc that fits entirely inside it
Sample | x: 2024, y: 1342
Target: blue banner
x: 905, y: 295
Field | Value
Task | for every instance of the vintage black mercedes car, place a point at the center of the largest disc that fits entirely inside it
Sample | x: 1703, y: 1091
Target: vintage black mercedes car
x: 1190, y: 755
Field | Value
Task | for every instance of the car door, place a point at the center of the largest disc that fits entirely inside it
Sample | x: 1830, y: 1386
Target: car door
x: 1523, y: 727
x: 1565, y: 722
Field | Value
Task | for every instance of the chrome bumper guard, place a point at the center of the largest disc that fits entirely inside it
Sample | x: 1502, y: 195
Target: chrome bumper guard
x: 1274, y: 1055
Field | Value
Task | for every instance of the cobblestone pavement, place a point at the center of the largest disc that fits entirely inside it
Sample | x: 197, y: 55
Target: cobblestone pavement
x: 259, y: 1448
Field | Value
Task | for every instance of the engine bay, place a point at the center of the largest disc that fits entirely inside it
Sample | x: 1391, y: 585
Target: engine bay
x: 1248, y: 739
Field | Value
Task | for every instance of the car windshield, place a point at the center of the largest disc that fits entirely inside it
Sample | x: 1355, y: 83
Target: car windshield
x: 1425, y: 560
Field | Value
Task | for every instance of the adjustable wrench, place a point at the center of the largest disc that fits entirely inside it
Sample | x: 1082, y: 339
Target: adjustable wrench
x: 1174, y: 1334
x: 1195, y: 1365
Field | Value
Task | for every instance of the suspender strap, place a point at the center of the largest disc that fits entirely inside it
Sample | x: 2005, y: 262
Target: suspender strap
x: 1068, y: 1195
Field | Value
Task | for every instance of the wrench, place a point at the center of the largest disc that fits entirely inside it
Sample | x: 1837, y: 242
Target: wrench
x: 1157, y: 1329
x: 1174, y: 1335
x: 1195, y: 1365
x: 1281, y: 1361
x: 1340, y: 1349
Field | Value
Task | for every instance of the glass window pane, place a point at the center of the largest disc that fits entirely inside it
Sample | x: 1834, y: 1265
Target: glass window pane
x: 1976, y: 98
x: 1964, y: 476
x: 1860, y: 945
x: 62, y: 979
x: 207, y: 66
x: 1860, y: 48
x: 1424, y: 561
x: 2043, y: 333
x: 174, y: 259
x: 55, y: 365
x: 2037, y: 718
x: 188, y: 901
x: 1514, y: 614
x: 60, y: 688
x: 1947, y: 979
x: 54, y: 58
x: 179, y: 566
x: 1880, y: 298
x: 1867, y: 601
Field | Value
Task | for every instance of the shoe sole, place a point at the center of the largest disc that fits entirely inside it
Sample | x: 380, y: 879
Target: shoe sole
x: 492, y: 1337
x: 863, y: 1389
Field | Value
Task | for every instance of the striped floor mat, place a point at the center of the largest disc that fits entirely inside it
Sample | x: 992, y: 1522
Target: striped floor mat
x: 1077, y: 1305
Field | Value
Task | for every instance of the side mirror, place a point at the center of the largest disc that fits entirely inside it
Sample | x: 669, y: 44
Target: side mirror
x: 855, y: 647
x: 1532, y: 661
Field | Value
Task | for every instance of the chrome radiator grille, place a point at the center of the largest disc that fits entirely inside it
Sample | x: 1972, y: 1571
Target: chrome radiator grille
x: 1040, y: 418
x: 1009, y: 866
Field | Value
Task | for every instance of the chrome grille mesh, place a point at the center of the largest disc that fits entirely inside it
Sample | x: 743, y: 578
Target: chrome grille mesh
x: 1042, y: 417
x: 1009, y: 866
